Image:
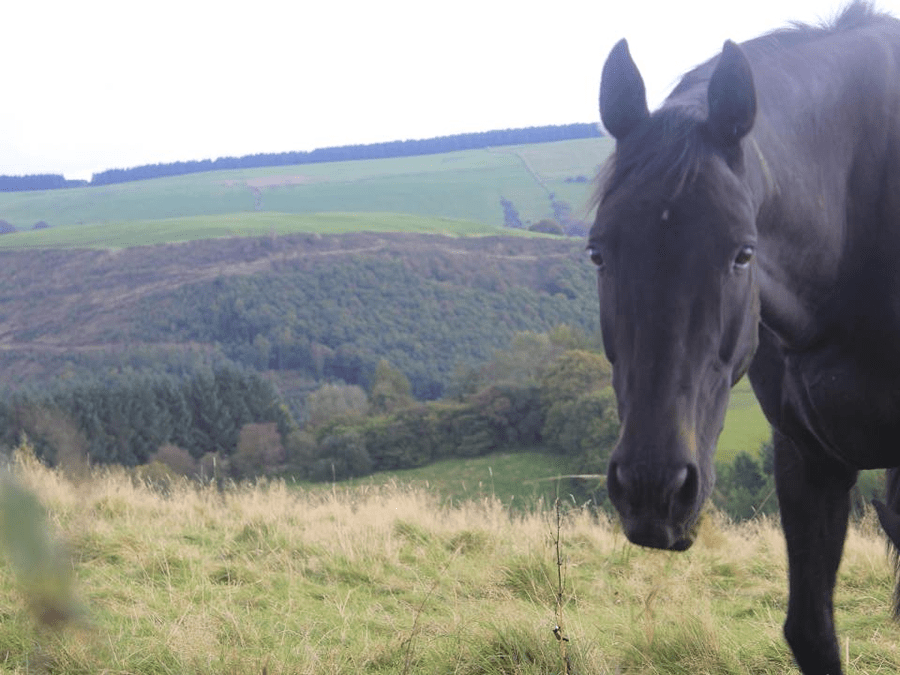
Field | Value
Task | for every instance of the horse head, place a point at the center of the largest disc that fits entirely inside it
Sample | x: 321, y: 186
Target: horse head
x: 674, y: 242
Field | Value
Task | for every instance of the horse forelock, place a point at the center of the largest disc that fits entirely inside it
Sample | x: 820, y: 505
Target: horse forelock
x: 666, y: 151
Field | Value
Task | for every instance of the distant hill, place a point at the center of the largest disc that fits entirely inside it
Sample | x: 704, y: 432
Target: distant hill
x: 517, y: 185
x: 306, y: 306
x: 404, y: 148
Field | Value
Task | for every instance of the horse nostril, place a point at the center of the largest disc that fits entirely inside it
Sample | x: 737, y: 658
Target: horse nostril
x: 686, y: 485
x: 624, y: 476
x: 680, y: 478
x: 617, y: 481
x: 668, y: 488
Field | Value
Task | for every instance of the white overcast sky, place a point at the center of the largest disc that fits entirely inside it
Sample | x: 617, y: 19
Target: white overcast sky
x: 98, y: 84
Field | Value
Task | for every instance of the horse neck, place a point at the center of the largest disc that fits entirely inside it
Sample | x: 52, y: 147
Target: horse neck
x: 800, y: 217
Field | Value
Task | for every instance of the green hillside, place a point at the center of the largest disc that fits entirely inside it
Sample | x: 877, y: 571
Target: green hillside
x: 464, y: 185
x: 286, y: 302
x: 127, y: 234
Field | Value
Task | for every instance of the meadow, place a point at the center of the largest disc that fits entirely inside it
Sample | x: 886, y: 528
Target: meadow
x: 269, y: 578
x: 127, y: 234
x: 746, y: 428
x: 521, y: 480
x: 465, y: 185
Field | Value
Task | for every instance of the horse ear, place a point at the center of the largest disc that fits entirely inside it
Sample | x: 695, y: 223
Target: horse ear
x: 731, y: 96
x: 623, y: 100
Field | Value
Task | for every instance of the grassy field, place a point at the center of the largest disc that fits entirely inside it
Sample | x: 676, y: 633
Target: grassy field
x: 463, y: 185
x: 191, y: 228
x: 518, y: 480
x: 746, y: 428
x: 268, y: 579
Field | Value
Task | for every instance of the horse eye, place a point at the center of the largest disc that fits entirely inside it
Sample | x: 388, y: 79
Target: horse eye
x: 596, y: 258
x: 744, y: 256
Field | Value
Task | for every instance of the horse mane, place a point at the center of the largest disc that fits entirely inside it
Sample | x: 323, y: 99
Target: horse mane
x: 680, y: 126
x: 857, y: 14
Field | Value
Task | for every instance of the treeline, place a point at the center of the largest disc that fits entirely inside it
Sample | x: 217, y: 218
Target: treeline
x: 407, y: 148
x: 127, y: 419
x: 550, y: 390
x: 315, y: 308
x: 543, y: 390
x: 44, y: 181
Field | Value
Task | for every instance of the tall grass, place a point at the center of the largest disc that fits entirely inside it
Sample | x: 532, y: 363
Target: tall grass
x: 267, y: 579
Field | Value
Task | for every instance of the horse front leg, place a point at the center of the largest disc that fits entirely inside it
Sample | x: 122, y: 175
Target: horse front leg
x: 814, y: 498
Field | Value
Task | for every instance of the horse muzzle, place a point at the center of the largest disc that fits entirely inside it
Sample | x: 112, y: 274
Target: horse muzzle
x: 659, y: 505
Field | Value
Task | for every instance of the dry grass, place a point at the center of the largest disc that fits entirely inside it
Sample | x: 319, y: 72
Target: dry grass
x: 266, y: 578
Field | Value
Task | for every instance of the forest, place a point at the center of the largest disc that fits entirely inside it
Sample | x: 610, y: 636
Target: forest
x: 335, y: 321
x: 316, y: 307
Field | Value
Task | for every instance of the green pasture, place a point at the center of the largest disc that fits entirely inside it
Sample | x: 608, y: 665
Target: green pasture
x: 253, y: 224
x: 746, y: 428
x: 464, y: 185
x: 519, y: 479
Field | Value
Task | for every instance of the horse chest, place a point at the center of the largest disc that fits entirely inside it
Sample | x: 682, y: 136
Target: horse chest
x: 849, y: 403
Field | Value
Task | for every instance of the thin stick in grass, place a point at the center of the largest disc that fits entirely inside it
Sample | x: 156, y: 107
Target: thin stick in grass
x: 558, y: 631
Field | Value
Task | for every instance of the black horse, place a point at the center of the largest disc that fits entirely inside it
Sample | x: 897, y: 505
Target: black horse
x: 752, y: 224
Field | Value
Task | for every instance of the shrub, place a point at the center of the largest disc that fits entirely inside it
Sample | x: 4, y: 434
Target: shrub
x: 177, y: 459
x: 574, y: 373
x: 342, y: 454
x: 406, y: 439
x: 586, y: 425
x: 471, y: 433
x: 335, y: 401
x: 744, y: 488
x: 511, y: 216
x: 56, y: 437
x: 155, y: 475
x: 259, y: 451
x: 300, y: 450
x: 547, y: 226
x: 391, y: 389
x: 212, y: 466
x: 513, y: 411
